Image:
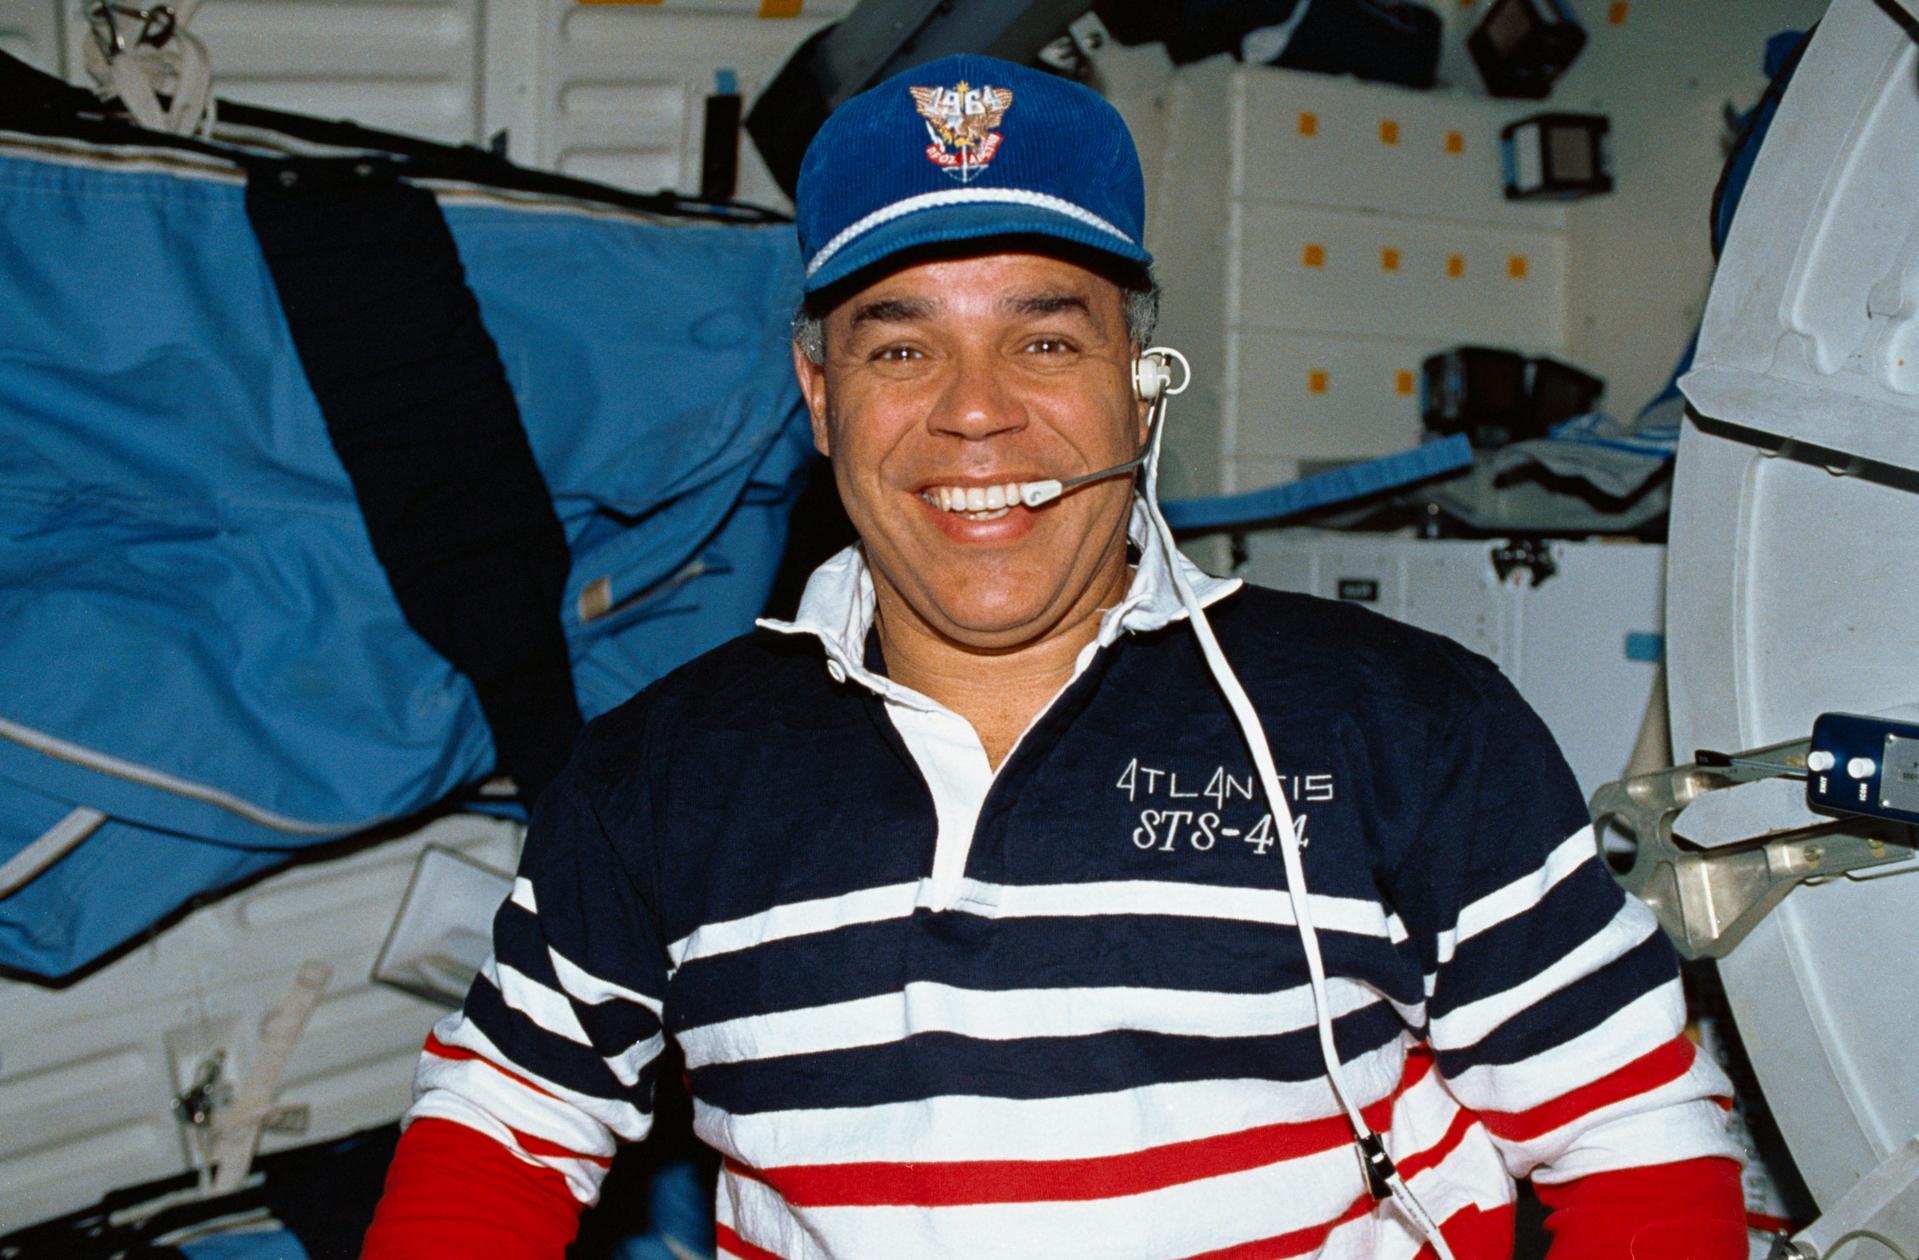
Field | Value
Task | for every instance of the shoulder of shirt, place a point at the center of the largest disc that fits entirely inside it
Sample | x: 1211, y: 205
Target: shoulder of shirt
x: 1347, y: 647
x: 749, y: 682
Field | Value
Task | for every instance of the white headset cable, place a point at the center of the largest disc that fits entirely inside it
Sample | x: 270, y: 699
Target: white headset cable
x: 1383, y: 1178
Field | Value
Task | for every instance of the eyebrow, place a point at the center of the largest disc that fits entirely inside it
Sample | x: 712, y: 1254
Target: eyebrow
x: 893, y: 311
x: 1047, y: 304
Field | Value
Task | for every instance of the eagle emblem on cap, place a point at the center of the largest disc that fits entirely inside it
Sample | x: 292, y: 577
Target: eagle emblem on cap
x: 963, y: 123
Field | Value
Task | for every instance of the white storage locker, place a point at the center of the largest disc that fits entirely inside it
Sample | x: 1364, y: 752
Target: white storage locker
x: 1319, y: 238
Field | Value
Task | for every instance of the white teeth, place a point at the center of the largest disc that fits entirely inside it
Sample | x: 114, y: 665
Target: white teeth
x: 980, y: 503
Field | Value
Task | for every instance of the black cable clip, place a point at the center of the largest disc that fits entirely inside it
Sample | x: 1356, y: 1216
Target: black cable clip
x: 1379, y: 1167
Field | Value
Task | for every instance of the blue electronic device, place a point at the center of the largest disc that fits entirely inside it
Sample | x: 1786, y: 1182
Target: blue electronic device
x: 1858, y: 764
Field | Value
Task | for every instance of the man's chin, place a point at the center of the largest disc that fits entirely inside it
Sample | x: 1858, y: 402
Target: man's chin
x: 989, y: 630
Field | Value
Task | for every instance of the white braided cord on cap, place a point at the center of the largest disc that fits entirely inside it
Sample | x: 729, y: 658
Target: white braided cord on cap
x: 960, y: 196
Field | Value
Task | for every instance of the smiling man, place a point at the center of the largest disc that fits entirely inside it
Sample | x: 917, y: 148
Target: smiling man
x: 959, y: 892
x: 943, y: 388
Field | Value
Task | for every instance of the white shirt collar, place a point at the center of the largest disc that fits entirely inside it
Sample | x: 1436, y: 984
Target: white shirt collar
x: 838, y: 606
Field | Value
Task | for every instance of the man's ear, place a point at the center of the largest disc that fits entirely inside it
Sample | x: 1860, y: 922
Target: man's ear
x: 812, y: 378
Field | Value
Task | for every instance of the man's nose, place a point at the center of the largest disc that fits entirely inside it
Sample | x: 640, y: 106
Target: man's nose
x: 978, y: 401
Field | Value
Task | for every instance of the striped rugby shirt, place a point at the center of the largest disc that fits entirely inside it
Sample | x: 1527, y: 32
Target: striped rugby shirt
x: 931, y: 1009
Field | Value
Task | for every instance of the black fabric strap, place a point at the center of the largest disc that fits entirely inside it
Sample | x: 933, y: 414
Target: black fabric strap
x: 419, y: 409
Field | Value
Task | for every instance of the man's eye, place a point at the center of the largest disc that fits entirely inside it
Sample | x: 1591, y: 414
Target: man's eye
x: 1049, y: 345
x: 895, y: 354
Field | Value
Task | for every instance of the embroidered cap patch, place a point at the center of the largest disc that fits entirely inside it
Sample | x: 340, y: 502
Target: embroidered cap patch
x: 962, y: 122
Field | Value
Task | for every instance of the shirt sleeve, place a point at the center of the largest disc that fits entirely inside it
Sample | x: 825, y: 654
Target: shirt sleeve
x: 555, y: 1053
x: 1692, y: 1210
x: 1553, y: 1000
x: 452, y: 1194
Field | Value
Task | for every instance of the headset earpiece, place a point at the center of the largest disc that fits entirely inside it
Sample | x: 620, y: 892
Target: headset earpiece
x: 1153, y: 373
x: 1151, y: 376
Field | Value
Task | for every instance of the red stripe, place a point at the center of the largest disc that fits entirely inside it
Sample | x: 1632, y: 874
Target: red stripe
x: 533, y: 1145
x: 956, y: 1182
x: 733, y: 1245
x: 1293, y: 1243
x: 1311, y: 1237
x: 440, y: 1050
x: 1648, y: 1072
x: 1420, y: 1161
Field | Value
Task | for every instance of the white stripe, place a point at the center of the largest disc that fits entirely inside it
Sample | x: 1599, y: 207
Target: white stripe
x: 1676, y: 1130
x: 546, y: 1007
x: 1648, y: 1021
x: 585, y: 987
x: 1521, y: 894
x: 1467, y: 1025
x: 583, y: 1176
x: 797, y: 918
x: 1020, y: 901
x: 1006, y: 1015
x: 523, y: 895
x: 1181, y: 900
x: 49, y: 847
x: 627, y: 1065
x: 102, y: 763
x: 956, y: 197
x: 518, y: 1106
x: 1085, y: 1126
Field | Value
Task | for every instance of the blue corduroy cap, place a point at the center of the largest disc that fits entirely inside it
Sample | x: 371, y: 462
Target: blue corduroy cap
x: 965, y: 148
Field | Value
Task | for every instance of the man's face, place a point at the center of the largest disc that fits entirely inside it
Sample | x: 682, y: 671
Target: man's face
x: 974, y: 373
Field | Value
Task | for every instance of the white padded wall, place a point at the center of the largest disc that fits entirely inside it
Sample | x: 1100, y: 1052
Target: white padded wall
x: 88, y: 1072
x: 604, y: 90
x: 402, y: 65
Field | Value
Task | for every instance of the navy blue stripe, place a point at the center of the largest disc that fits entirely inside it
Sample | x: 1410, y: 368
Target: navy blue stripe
x: 519, y: 944
x: 567, y: 1063
x: 1571, y: 913
x: 1573, y: 1011
x: 1145, y: 951
x: 934, y: 1064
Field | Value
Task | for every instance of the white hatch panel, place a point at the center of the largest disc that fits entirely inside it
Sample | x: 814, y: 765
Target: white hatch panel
x: 1796, y: 505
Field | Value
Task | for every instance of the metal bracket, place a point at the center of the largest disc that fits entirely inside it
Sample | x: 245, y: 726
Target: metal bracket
x: 1531, y: 554
x: 196, y: 1104
x: 1711, y: 877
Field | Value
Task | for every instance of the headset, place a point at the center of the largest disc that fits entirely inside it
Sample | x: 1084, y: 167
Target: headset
x: 1152, y: 383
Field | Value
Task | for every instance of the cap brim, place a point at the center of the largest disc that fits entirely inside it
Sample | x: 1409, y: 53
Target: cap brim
x: 942, y: 224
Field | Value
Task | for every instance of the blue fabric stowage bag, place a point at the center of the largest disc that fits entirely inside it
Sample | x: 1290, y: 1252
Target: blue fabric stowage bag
x: 196, y: 639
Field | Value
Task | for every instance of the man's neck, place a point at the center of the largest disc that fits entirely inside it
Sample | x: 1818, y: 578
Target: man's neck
x: 998, y: 692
